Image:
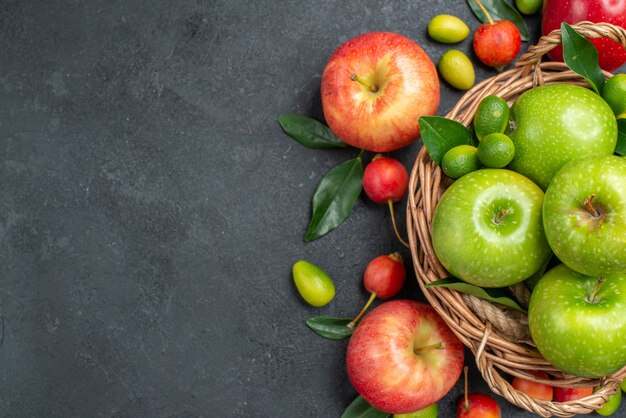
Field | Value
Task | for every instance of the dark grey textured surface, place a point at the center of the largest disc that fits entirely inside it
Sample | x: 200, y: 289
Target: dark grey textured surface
x: 151, y: 207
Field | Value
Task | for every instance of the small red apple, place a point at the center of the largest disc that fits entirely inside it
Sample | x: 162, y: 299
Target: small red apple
x: 375, y: 87
x: 571, y: 394
x: 385, y: 179
x: 611, y: 54
x: 534, y: 389
x: 403, y: 357
x: 478, y: 405
x: 497, y: 43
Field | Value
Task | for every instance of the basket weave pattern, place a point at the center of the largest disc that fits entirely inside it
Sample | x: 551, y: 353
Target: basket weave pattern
x: 497, y: 336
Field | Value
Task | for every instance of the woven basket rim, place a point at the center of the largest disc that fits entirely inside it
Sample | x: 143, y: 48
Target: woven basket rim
x: 473, y: 320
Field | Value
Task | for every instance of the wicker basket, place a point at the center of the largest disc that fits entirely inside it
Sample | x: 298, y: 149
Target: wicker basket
x: 498, y: 337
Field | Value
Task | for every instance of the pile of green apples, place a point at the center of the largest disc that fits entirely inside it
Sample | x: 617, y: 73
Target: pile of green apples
x: 554, y: 218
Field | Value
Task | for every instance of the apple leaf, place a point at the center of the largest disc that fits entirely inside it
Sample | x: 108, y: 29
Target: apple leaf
x: 309, y: 132
x: 497, y: 295
x: 329, y: 327
x: 500, y: 10
x: 440, y: 134
x: 360, y: 408
x: 620, y: 149
x: 335, y: 196
x: 581, y: 56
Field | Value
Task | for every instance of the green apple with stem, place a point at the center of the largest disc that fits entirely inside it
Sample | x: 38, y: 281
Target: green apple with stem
x: 487, y: 228
x: 578, y: 322
x: 584, y: 215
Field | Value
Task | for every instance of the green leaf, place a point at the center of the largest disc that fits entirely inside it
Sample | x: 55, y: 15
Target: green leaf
x: 500, y: 10
x: 360, y: 408
x: 309, y: 132
x: 581, y: 57
x: 331, y: 328
x: 334, y: 197
x: 496, y: 295
x: 440, y: 134
x: 620, y: 149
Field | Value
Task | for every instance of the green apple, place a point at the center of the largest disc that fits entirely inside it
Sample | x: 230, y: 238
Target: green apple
x: 487, y: 228
x: 623, y: 385
x: 550, y: 125
x: 584, y: 215
x: 578, y: 322
x: 612, y: 405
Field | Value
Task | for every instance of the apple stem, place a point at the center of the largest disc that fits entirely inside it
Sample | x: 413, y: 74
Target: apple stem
x: 485, y: 12
x: 437, y: 346
x: 367, y: 305
x: 589, y: 206
x: 500, y: 216
x: 592, y: 297
x: 371, y: 87
x: 395, y: 226
x: 466, y: 404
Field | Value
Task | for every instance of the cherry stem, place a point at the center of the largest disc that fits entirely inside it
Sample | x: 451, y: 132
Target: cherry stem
x: 437, y: 346
x: 466, y: 404
x: 371, y: 87
x: 590, y: 208
x: 500, y: 216
x: 395, y: 226
x: 367, y: 305
x: 485, y: 12
x: 592, y: 297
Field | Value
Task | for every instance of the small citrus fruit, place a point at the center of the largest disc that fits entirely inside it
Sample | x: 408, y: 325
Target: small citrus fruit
x: 314, y: 284
x: 457, y: 69
x: 528, y: 7
x: 614, y: 93
x: 431, y: 411
x: 459, y: 161
x: 492, y: 115
x: 496, y: 150
x: 447, y: 29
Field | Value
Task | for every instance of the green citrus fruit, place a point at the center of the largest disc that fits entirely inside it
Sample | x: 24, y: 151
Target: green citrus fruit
x: 447, y: 29
x: 614, y: 93
x: 314, y: 284
x: 459, y: 161
x: 528, y: 7
x: 496, y: 150
x: 492, y: 116
x: 457, y: 69
x: 431, y: 411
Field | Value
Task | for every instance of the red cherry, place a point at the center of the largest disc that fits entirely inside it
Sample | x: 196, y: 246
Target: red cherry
x: 478, y: 405
x: 385, y: 179
x: 534, y: 389
x: 571, y: 394
x: 385, y: 275
x: 497, y: 43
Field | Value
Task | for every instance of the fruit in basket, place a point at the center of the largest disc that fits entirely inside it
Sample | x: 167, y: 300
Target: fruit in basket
x: 487, y: 228
x: 457, y: 69
x: 447, y: 29
x: 459, y: 161
x: 375, y: 87
x: 431, y: 411
x: 612, y: 405
x: 497, y: 43
x: 385, y: 179
x: 496, y: 150
x: 403, y: 357
x: 552, y: 124
x: 610, y: 53
x: 492, y: 116
x: 614, y: 93
x: 578, y: 322
x: 571, y: 394
x: 584, y: 215
x: 535, y: 390
x: 314, y: 284
x: 623, y: 385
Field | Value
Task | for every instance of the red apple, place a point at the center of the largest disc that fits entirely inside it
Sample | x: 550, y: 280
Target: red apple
x: 571, y: 394
x: 477, y: 405
x: 375, y: 87
x: 403, y: 357
x: 611, y: 54
x: 534, y: 389
x: 497, y: 43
